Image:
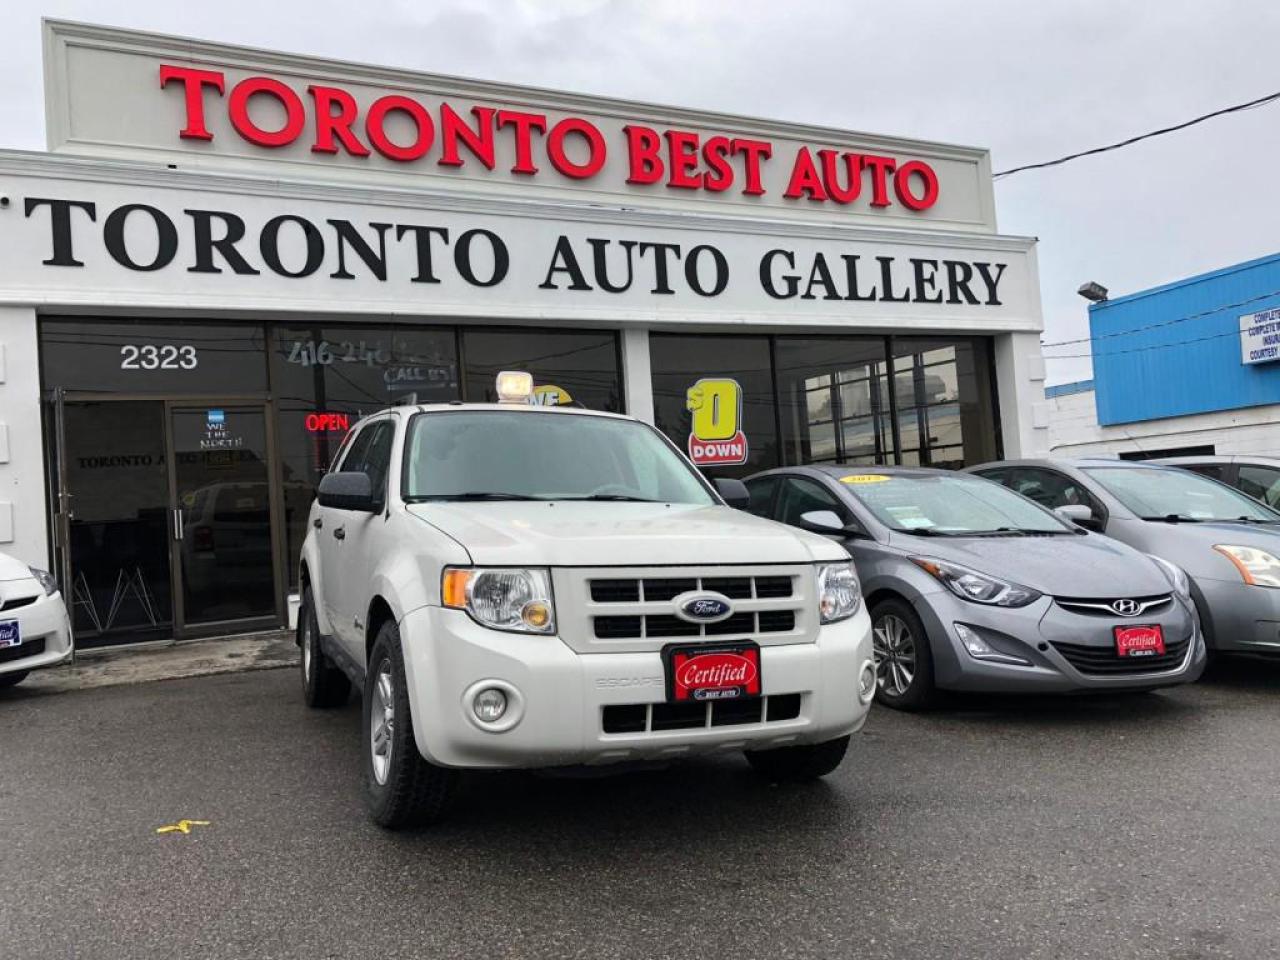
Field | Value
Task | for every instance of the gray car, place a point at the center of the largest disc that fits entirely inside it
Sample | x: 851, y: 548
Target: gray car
x: 971, y: 587
x: 1227, y: 543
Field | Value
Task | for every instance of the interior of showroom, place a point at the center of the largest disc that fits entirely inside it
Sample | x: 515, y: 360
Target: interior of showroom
x: 197, y: 300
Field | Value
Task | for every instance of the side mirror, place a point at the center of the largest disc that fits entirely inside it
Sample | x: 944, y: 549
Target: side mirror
x: 821, y: 521
x: 734, y: 492
x: 347, y: 491
x: 1079, y: 514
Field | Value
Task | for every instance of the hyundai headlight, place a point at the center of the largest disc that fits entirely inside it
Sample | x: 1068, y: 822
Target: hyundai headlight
x: 1177, y: 576
x: 502, y: 598
x: 839, y: 594
x: 46, y: 580
x: 1258, y: 567
x: 977, y: 587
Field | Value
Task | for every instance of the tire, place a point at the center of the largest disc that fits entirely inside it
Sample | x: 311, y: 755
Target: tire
x: 402, y: 787
x: 324, y: 685
x: 904, y: 659
x: 8, y: 680
x: 798, y: 764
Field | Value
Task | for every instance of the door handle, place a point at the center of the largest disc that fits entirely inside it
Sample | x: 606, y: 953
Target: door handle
x: 340, y: 533
x: 177, y: 523
x: 318, y: 522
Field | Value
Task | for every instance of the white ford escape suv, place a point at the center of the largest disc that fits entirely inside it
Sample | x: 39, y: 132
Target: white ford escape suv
x: 521, y: 586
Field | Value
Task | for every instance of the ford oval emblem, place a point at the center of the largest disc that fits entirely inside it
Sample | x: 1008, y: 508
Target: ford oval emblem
x: 703, y: 607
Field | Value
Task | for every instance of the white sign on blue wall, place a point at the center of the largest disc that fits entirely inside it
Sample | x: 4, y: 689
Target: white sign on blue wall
x: 1260, y: 336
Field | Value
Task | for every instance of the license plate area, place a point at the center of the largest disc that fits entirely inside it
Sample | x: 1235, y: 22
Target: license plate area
x: 719, y: 671
x: 1139, y: 641
x: 10, y: 633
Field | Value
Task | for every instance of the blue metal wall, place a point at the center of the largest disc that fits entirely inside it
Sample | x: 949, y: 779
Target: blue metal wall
x: 1149, y: 362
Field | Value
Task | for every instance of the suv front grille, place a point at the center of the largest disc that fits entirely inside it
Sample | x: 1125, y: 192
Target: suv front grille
x: 662, y: 625
x: 656, y: 589
x: 651, y: 717
x: 1102, y: 661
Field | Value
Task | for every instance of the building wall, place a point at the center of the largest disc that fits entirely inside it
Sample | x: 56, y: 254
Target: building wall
x: 1175, y: 350
x: 1074, y: 430
x: 23, y: 532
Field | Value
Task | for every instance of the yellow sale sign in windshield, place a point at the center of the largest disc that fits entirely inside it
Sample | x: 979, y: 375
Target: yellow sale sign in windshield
x: 716, y: 437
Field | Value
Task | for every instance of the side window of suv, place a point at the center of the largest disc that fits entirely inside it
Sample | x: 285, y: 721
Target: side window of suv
x: 761, y: 491
x: 798, y: 496
x: 371, y: 454
x: 351, y: 456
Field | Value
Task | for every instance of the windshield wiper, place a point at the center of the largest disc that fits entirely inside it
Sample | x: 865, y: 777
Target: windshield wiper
x: 921, y: 532
x: 619, y: 497
x: 469, y: 495
x: 1174, y: 518
x: 1254, y: 520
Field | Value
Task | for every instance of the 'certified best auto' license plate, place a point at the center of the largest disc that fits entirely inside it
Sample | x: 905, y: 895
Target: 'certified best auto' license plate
x: 1139, y: 641
x: 721, y: 672
x: 10, y: 633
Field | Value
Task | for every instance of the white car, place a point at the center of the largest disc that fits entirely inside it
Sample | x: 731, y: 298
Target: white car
x: 34, y: 631
x: 520, y: 586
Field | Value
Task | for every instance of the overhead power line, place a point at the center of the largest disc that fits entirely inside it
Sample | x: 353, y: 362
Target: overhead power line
x: 1165, y: 323
x: 1269, y: 98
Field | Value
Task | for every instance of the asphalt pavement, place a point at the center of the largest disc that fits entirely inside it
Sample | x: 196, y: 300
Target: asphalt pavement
x: 1138, y: 826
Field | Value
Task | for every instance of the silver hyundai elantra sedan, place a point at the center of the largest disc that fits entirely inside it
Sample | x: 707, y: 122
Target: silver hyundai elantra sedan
x: 973, y: 587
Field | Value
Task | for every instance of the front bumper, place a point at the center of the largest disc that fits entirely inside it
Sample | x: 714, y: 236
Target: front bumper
x: 1240, y: 617
x: 1043, y: 634
x: 46, y: 636
x: 557, y: 697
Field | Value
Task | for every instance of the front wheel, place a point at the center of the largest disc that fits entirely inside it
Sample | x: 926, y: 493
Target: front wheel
x: 904, y: 661
x: 797, y: 764
x: 8, y: 680
x: 403, y: 788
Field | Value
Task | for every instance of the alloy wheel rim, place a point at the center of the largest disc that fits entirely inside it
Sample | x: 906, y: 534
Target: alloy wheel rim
x: 895, y: 653
x: 382, y: 717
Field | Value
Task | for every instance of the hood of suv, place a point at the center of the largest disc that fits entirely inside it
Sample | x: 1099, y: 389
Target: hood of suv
x: 1061, y: 566
x: 574, y: 534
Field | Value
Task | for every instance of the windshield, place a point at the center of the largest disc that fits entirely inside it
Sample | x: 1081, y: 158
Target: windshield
x: 516, y: 455
x: 1159, y: 493
x: 955, y: 505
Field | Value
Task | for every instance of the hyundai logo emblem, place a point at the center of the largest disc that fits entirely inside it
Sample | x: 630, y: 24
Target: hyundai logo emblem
x: 1127, y: 608
x: 703, y: 607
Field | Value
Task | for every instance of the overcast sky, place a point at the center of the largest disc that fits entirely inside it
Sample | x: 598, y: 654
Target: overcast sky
x: 1028, y: 80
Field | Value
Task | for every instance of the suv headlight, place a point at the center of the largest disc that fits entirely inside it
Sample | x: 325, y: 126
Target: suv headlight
x: 839, y: 594
x: 1177, y: 576
x: 46, y: 580
x: 978, y: 587
x: 502, y: 598
x: 1258, y: 567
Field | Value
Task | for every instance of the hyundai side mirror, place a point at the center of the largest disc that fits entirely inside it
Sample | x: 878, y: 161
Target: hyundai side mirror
x: 1079, y: 514
x: 734, y: 492
x: 828, y: 522
x: 347, y: 490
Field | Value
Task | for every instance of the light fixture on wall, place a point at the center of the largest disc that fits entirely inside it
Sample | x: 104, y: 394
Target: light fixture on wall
x: 1093, y: 291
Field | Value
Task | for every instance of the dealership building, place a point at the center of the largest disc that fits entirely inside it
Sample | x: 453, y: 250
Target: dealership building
x: 1190, y: 368
x: 227, y: 255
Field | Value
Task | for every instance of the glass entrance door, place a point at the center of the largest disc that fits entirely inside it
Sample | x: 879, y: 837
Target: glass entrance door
x: 167, y: 518
x: 224, y: 510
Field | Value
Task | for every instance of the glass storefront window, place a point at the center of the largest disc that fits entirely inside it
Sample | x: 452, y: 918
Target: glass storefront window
x: 584, y: 366
x: 324, y: 379
x: 146, y: 357
x: 678, y: 362
x: 844, y: 378
x: 946, y: 405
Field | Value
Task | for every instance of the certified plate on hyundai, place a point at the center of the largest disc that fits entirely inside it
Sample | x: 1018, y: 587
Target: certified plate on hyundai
x: 10, y: 633
x: 713, y: 672
x: 1146, y: 641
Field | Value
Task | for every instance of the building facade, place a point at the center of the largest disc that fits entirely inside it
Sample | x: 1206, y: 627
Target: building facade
x: 1191, y: 367
x: 227, y: 256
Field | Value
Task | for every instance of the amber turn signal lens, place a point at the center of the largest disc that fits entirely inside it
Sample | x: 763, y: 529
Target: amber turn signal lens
x: 453, y: 588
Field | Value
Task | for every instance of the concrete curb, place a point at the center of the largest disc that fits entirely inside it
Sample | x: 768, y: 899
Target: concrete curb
x: 168, y: 661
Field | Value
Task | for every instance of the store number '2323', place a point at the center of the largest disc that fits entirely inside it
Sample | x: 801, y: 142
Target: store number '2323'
x: 158, y: 356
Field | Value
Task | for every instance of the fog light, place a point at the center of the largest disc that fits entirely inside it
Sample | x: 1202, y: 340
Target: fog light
x: 489, y: 705
x: 536, y: 614
x: 867, y: 682
x: 979, y: 649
